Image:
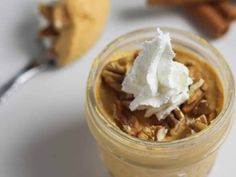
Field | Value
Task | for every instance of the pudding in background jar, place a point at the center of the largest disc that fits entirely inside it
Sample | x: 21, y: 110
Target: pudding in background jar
x: 70, y: 27
x: 159, y: 103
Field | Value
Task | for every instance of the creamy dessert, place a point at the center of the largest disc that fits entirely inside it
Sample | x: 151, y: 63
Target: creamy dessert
x: 70, y: 27
x: 160, y: 94
x: 159, y: 105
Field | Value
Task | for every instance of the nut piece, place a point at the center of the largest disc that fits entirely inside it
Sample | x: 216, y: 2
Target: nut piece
x: 133, y: 127
x: 194, y: 87
x: 113, y: 79
x: 115, y: 71
x: 142, y: 136
x: 194, y: 73
x: 125, y: 104
x: 161, y: 133
x: 117, y: 66
x: 204, y: 87
x: 193, y: 101
x: 181, y: 130
x: 125, y: 121
x: 202, y: 108
x: 171, y: 120
x: 178, y: 113
x: 125, y: 96
x: 134, y: 123
x: 131, y: 131
x: 202, y: 119
x: 118, y: 115
x: 200, y: 123
x: 148, y: 131
x: 195, y: 96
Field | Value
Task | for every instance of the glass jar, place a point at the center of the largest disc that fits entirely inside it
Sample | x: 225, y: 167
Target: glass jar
x: 126, y: 156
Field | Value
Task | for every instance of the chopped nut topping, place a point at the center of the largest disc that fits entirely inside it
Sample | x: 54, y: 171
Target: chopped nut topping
x: 113, y: 79
x: 148, y: 131
x: 202, y: 108
x: 202, y: 119
x: 195, y: 96
x: 143, y: 136
x: 117, y: 66
x: 125, y: 96
x: 130, y: 130
x: 134, y: 124
x: 181, y: 130
x: 171, y: 121
x: 193, y: 101
x: 190, y: 122
x: 161, y: 133
x: 178, y: 114
x: 177, y: 125
x: 200, y: 123
x: 194, y: 87
x: 191, y: 117
x: 118, y: 114
x: 204, y: 87
x: 129, y: 123
x: 114, y: 72
x: 126, y: 104
x: 194, y: 74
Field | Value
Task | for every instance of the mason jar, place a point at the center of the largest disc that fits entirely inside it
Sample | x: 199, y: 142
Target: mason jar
x: 127, y: 156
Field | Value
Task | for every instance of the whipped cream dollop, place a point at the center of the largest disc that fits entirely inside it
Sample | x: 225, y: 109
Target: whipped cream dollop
x: 158, y: 83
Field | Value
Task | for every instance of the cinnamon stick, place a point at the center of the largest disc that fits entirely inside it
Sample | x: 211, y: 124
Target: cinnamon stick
x: 176, y: 2
x: 209, y: 16
x: 227, y: 9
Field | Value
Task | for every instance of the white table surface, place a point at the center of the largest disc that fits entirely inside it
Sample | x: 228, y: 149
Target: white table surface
x: 43, y: 132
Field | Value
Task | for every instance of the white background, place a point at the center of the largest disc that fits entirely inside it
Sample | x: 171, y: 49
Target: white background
x: 42, y: 126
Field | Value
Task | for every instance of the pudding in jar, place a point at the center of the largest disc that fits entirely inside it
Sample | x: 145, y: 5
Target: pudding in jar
x: 157, y: 106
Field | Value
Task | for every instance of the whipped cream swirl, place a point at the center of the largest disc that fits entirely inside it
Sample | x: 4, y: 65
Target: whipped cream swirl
x: 158, y: 83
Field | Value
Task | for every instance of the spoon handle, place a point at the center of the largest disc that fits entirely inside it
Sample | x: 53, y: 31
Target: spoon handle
x: 20, y: 78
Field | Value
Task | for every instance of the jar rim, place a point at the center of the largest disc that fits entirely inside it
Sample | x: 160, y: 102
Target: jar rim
x: 229, y: 98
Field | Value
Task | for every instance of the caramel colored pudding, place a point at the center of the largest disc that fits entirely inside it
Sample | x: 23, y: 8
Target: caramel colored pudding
x: 205, y: 102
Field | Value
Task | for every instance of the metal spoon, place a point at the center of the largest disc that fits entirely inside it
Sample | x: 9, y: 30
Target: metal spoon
x: 44, y: 62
